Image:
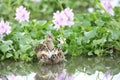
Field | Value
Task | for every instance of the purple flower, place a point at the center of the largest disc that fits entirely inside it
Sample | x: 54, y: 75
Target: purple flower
x: 0, y: 78
x: 60, y: 19
x: 68, y: 12
x: 22, y: 14
x: 36, y: 0
x: 4, y: 27
x: 61, y: 76
x: 64, y: 76
x: 69, y: 77
x: 11, y: 77
x: 63, y: 18
x: 107, y: 6
x: 107, y: 75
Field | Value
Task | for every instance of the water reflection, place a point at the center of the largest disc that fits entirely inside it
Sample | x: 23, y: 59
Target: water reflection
x: 79, y: 68
x: 64, y: 76
x: 53, y: 72
x: 98, y: 75
x: 19, y: 77
x: 49, y: 72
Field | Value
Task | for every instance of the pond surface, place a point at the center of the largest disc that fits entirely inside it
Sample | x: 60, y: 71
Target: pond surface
x: 77, y: 68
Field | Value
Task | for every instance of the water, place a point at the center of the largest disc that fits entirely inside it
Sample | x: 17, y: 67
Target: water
x: 77, y: 68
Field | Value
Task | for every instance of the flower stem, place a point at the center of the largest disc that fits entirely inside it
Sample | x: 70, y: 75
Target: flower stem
x: 58, y: 2
x: 62, y: 32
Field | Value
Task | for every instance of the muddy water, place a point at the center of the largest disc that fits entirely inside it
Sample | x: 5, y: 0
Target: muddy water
x: 77, y: 68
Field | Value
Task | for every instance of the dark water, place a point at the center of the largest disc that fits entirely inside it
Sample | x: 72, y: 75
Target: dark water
x: 77, y: 68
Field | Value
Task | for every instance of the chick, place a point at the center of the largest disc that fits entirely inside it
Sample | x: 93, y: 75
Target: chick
x: 60, y: 55
x: 39, y: 50
x: 44, y: 59
x: 54, y: 57
x: 40, y: 47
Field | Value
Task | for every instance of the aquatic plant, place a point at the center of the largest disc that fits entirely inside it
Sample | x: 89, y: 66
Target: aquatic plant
x: 107, y: 6
x: 11, y: 77
x: 63, y: 18
x: 5, y: 28
x: 90, y: 34
x: 22, y: 14
x: 36, y: 0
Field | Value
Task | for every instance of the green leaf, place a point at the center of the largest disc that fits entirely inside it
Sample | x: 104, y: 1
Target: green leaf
x: 42, y: 22
x: 67, y: 32
x: 115, y: 34
x: 25, y: 24
x: 79, y: 40
x: 8, y: 42
x: 86, y: 23
x: 4, y: 48
x: 99, y: 22
x: 31, y: 53
x: 24, y: 48
x: 99, y: 41
x: 97, y: 52
x: 90, y: 34
x: 90, y: 53
x: 8, y: 55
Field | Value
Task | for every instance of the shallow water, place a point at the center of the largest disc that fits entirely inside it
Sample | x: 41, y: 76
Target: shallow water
x: 77, y: 68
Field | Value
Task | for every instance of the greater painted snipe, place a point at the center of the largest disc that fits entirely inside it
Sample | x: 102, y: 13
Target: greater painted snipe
x: 47, y: 53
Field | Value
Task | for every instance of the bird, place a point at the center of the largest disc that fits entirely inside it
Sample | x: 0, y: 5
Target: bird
x: 49, y: 42
x: 43, y: 53
x: 47, y: 54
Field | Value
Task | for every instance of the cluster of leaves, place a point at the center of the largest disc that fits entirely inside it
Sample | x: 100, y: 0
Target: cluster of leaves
x: 20, y: 43
x: 92, y: 34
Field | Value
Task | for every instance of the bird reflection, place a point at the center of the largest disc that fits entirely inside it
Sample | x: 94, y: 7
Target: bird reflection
x: 49, y: 72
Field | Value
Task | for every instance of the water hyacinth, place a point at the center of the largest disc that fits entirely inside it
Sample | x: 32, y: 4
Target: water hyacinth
x: 63, y: 18
x: 4, y: 27
x: 22, y: 14
x: 107, y: 75
x: 36, y: 0
x: 19, y: 77
x: 107, y: 6
x: 64, y: 76
x: 11, y: 77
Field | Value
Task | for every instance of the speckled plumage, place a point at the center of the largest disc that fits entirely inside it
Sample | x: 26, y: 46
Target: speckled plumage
x: 47, y: 53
